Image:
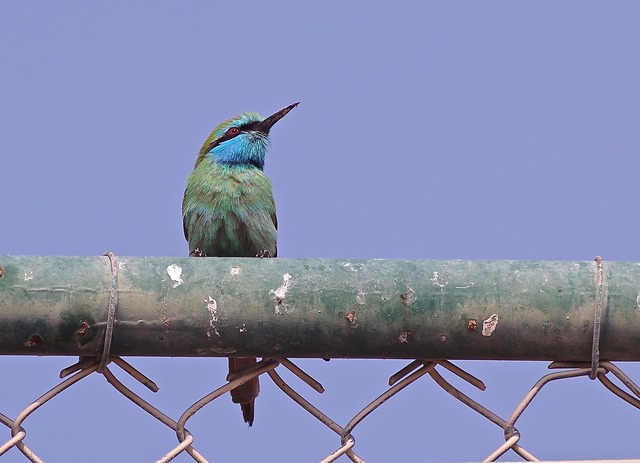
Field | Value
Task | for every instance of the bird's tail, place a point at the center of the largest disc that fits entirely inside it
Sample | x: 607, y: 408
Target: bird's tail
x: 246, y: 393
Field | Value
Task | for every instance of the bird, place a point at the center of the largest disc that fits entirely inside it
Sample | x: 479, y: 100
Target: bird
x: 228, y: 209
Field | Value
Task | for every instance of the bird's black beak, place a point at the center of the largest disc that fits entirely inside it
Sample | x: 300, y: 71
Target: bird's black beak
x: 265, y: 125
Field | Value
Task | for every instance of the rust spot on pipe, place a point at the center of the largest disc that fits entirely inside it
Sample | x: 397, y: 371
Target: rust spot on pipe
x: 472, y: 325
x: 408, y: 297
x: 83, y: 328
x: 35, y: 340
x: 352, y: 317
x: 1, y: 271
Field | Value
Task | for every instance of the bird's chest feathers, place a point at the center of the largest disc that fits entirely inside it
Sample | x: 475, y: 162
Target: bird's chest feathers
x: 227, y: 186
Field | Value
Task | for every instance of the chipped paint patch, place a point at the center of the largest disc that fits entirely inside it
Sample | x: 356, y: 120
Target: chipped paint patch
x: 489, y: 325
x: 122, y: 265
x: 175, y: 273
x: 235, y: 271
x: 212, y: 308
x: 638, y: 304
x: 404, y: 336
x: 354, y: 267
x: 437, y: 281
x: 280, y: 293
x: 28, y: 275
x: 360, y: 297
x: 243, y: 328
x: 470, y: 285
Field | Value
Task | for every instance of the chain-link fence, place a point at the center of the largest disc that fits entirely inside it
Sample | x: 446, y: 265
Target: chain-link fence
x: 507, y: 439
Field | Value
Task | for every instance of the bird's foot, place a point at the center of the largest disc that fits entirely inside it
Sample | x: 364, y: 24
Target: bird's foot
x: 263, y: 254
x: 197, y: 252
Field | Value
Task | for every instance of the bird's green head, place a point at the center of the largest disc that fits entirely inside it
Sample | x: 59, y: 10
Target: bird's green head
x: 243, y: 139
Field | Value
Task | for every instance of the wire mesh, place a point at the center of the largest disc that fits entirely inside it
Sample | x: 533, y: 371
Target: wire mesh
x: 508, y: 441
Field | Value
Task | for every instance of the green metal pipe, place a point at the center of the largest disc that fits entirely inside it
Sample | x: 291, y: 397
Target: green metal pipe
x: 183, y: 307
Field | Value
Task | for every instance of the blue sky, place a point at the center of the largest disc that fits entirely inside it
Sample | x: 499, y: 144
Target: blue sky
x: 426, y: 130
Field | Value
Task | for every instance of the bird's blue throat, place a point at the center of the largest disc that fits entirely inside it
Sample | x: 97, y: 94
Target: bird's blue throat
x: 248, y: 148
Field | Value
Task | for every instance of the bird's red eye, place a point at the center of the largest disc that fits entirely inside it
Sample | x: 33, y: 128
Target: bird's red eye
x: 233, y: 131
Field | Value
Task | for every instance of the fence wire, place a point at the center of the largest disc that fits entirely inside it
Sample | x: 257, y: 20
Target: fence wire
x: 346, y: 445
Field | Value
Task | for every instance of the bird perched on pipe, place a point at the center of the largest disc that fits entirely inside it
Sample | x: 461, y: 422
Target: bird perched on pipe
x: 228, y: 209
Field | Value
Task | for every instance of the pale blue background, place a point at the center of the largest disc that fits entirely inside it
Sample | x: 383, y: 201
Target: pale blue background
x: 426, y: 130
